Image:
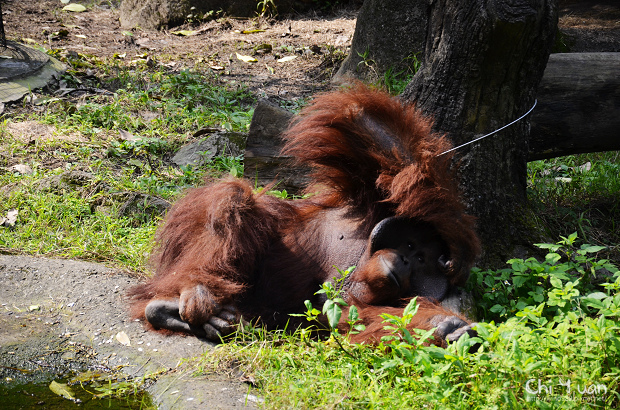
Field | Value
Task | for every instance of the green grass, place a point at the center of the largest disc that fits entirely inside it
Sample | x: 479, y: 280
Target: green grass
x: 159, y: 110
x: 578, y: 192
x: 575, y: 178
x: 568, y: 336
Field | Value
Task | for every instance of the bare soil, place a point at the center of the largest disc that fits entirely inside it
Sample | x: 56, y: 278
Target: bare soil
x: 318, y: 41
x: 59, y: 318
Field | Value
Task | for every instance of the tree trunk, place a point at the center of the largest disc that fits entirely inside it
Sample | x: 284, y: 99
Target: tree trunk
x: 578, y: 106
x: 482, y: 64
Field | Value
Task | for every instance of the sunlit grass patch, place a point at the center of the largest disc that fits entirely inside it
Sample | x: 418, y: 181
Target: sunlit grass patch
x: 561, y: 351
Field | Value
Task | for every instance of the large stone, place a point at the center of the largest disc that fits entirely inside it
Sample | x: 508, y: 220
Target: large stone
x: 74, y: 180
x: 223, y: 144
x: 263, y: 161
x: 143, y: 207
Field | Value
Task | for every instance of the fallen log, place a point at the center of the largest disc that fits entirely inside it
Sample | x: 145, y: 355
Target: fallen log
x: 578, y: 106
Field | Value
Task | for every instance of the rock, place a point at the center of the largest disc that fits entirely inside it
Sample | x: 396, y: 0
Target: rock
x: 263, y: 161
x: 229, y: 144
x: 143, y: 207
x: 22, y: 169
x: 153, y: 14
x: 69, y: 181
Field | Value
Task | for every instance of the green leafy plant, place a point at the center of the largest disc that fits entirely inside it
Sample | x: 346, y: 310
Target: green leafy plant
x: 230, y: 165
x: 563, y: 279
x: 366, y: 62
x: 332, y: 309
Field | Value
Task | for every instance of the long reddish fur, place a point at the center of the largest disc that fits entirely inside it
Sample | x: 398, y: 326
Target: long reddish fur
x: 217, y: 234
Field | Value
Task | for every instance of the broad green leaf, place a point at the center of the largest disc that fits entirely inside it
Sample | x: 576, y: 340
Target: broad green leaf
x: 596, y: 295
x: 518, y: 281
x: 340, y: 301
x: 333, y: 313
x: 552, y: 258
x: 353, y: 314
x: 592, y: 248
x: 555, y: 282
x: 497, y: 309
x: 411, y: 308
x: 551, y: 246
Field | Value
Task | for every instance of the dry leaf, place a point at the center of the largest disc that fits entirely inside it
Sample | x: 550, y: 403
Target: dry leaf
x: 62, y: 390
x: 22, y: 169
x: 252, y: 31
x: 184, y: 33
x: 10, y: 219
x: 247, y: 59
x: 285, y: 59
x: 127, y: 136
x: 76, y: 8
x: 123, y: 338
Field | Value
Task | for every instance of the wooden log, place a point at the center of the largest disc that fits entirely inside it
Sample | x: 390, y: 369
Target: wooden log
x: 578, y: 106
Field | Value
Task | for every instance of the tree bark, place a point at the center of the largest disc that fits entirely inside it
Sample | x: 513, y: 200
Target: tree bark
x: 578, y: 106
x: 482, y: 64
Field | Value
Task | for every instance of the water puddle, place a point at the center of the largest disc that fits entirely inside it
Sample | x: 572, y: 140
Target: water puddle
x: 86, y: 396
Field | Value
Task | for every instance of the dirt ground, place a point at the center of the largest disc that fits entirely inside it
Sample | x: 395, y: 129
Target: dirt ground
x: 59, y: 317
x: 318, y: 42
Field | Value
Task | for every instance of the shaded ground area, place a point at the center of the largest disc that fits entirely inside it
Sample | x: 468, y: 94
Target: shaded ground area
x: 60, y: 317
x: 590, y: 25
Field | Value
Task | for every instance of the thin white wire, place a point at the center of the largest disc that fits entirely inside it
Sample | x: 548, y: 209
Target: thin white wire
x: 493, y: 132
